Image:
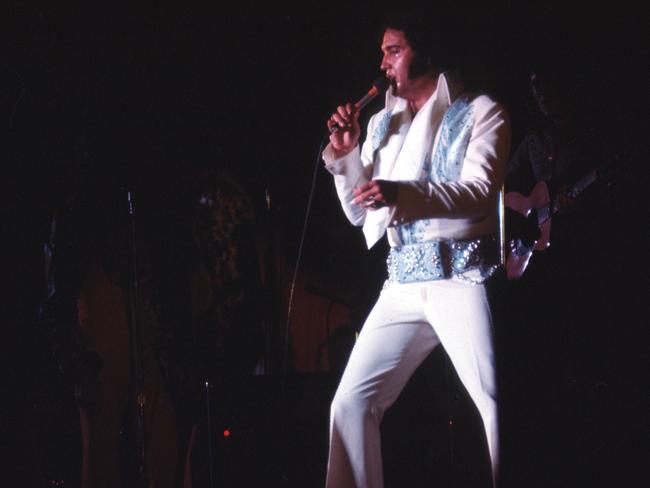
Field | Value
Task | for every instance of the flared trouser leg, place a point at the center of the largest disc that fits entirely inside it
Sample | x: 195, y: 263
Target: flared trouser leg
x: 406, y: 324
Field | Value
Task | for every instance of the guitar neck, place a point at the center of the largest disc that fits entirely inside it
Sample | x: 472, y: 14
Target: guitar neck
x: 583, y: 183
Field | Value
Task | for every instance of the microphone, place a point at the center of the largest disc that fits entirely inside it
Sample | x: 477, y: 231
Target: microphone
x: 378, y: 86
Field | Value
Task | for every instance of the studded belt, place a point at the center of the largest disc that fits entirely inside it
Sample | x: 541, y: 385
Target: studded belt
x: 441, y: 259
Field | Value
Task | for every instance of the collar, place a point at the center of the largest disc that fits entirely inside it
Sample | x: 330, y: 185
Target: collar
x: 448, y: 88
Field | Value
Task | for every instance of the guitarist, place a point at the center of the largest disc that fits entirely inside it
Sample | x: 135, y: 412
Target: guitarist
x: 561, y: 148
x: 557, y: 317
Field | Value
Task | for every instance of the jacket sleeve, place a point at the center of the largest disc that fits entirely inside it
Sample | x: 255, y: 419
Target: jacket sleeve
x: 480, y: 180
x: 351, y: 171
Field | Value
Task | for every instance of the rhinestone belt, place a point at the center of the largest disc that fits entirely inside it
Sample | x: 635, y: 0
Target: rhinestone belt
x: 441, y: 258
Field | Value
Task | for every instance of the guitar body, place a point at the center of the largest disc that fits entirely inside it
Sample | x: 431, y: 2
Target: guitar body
x: 539, y: 200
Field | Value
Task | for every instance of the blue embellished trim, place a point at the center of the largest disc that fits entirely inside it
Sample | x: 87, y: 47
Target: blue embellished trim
x: 455, y: 132
x: 413, y: 232
x: 381, y: 130
x: 447, y: 162
x: 441, y: 259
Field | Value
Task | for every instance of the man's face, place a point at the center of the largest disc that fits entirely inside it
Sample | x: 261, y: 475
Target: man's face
x: 396, y: 61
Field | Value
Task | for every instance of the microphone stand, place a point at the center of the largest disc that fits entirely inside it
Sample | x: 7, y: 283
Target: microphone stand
x: 135, y: 340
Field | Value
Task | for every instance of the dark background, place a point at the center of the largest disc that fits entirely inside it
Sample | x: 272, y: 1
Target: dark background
x: 136, y: 94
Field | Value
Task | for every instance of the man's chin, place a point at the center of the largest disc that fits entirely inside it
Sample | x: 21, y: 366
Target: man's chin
x: 393, y: 87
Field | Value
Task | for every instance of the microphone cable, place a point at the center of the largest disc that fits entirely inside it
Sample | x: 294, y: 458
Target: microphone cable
x: 292, y: 287
x: 283, y: 405
x: 379, y: 85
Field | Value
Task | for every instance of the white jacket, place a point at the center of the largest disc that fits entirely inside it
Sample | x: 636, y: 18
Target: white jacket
x: 399, y: 147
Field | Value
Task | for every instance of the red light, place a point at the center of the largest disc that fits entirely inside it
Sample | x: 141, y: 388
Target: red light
x: 226, y: 433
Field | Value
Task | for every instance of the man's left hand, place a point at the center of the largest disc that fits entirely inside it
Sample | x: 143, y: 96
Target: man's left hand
x: 376, y: 194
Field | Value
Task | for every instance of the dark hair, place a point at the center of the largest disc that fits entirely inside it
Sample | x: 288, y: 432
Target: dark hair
x: 425, y: 38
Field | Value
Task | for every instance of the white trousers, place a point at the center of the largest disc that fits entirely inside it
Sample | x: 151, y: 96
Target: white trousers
x: 406, y: 324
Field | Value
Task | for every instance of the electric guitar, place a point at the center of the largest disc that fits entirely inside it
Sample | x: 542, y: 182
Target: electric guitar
x: 539, y: 206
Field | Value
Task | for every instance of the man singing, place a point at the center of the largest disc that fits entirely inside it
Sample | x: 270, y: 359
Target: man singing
x: 428, y: 175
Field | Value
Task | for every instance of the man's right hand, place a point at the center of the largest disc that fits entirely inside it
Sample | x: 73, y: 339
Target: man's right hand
x: 346, y: 138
